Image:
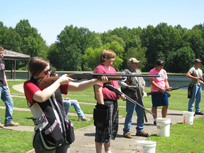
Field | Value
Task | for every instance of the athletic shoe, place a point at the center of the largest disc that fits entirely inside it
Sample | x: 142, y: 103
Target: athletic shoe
x: 199, y: 113
x: 12, y: 124
x: 127, y: 135
x: 155, y: 123
x: 142, y: 134
x: 84, y: 119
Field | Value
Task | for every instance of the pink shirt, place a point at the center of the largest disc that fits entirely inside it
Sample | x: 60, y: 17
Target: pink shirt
x: 160, y: 81
x: 107, y: 94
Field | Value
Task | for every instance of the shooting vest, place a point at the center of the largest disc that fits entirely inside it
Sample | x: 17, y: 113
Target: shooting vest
x: 50, y: 120
x: 132, y: 93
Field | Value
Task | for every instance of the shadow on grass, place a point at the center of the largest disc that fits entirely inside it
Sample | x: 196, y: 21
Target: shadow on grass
x: 175, y: 114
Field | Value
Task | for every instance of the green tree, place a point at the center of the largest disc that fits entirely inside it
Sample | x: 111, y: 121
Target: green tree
x: 137, y: 52
x: 91, y: 56
x: 180, y: 61
x: 32, y: 42
x: 194, y: 40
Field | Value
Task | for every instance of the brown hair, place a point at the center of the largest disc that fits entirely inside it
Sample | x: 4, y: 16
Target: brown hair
x: 53, y: 73
x: 106, y: 54
x: 1, y: 48
x: 37, y: 64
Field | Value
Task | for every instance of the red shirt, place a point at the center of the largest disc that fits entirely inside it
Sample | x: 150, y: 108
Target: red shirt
x: 30, y: 89
x: 107, y: 94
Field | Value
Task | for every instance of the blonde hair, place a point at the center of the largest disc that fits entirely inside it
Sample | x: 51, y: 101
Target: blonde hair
x: 1, y: 48
x: 106, y: 54
x: 37, y: 64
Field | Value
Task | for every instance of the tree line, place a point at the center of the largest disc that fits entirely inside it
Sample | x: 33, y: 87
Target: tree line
x: 78, y: 49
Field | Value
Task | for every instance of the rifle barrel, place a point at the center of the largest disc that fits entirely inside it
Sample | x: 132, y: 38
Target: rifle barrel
x: 104, y: 74
x: 112, y: 88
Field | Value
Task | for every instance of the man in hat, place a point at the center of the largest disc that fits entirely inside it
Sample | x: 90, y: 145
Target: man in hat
x: 196, y: 75
x: 130, y: 87
x: 160, y: 84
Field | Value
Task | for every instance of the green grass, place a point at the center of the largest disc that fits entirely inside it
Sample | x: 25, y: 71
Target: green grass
x: 15, y: 141
x: 182, y: 136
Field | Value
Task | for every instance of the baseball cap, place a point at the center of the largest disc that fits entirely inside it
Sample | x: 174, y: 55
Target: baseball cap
x: 197, y: 61
x: 133, y: 60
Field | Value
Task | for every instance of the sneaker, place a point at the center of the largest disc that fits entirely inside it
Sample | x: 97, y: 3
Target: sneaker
x: 199, y: 113
x: 1, y: 125
x: 155, y: 123
x: 12, y: 124
x: 142, y: 134
x: 84, y: 119
x: 127, y: 135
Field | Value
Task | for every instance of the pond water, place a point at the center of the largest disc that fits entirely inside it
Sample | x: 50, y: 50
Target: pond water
x: 174, y: 80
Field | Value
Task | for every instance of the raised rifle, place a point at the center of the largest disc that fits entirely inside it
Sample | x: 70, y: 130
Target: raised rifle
x: 88, y: 76
x: 45, y: 82
x: 112, y: 88
x: 152, y: 93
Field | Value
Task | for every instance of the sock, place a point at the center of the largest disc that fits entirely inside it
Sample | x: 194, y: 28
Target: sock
x: 155, y: 119
x: 108, y: 151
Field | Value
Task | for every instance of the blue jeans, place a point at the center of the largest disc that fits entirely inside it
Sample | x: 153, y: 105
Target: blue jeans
x: 69, y: 103
x: 197, y: 93
x: 5, y: 96
x: 130, y: 109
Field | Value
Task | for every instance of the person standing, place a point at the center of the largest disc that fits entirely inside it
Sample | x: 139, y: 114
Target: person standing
x: 196, y: 76
x: 71, y: 102
x: 47, y: 108
x: 5, y: 93
x: 106, y: 97
x: 160, y: 84
x: 130, y: 87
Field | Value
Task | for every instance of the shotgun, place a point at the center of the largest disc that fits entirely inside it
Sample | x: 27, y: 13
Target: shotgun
x: 112, y: 88
x: 199, y: 78
x: 88, y: 76
x: 152, y: 93
x: 45, y: 82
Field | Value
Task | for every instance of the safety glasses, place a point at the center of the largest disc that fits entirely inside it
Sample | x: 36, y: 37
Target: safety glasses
x: 47, y: 71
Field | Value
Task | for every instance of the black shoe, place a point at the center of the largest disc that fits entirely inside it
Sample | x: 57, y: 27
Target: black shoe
x: 155, y: 123
x: 199, y: 113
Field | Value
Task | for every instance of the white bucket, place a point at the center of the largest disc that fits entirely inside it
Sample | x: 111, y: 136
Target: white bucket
x: 163, y: 127
x: 146, y: 146
x: 188, y: 117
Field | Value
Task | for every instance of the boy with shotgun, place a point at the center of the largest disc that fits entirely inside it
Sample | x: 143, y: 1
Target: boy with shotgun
x: 159, y: 84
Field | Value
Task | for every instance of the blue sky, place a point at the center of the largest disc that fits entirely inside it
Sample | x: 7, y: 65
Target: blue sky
x: 50, y: 17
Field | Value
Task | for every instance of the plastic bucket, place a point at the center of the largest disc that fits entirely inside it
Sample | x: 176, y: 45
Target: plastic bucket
x: 163, y: 127
x: 188, y: 117
x: 146, y: 146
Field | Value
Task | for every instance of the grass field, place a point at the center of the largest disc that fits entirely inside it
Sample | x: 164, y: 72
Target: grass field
x: 182, y: 136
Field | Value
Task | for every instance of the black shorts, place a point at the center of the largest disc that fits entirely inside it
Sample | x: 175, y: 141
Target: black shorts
x: 103, y: 135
